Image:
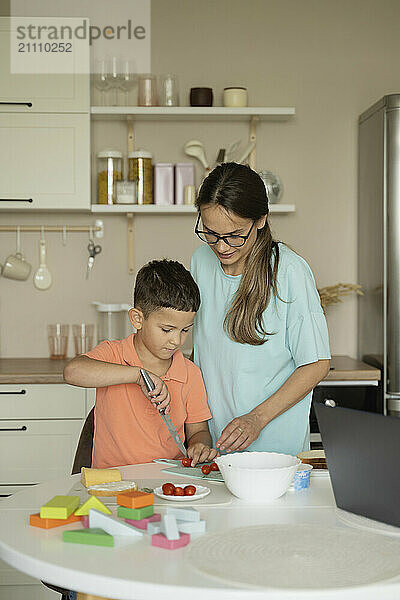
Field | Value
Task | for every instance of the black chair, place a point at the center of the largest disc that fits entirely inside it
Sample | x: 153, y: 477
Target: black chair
x: 83, y: 458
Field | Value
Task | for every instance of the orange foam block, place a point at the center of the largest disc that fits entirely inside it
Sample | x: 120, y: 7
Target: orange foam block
x: 135, y: 499
x: 36, y: 521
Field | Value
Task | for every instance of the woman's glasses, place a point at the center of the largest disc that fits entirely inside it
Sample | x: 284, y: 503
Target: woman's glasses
x: 235, y: 241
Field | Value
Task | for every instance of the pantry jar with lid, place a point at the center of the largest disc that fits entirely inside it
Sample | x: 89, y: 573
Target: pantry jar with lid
x: 141, y: 171
x: 109, y: 171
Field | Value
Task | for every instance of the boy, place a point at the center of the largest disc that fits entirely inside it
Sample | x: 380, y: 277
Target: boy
x: 128, y: 428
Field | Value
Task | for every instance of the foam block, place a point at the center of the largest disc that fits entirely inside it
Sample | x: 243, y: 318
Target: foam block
x: 135, y: 499
x: 95, y: 476
x: 135, y: 513
x: 111, y: 525
x: 91, y: 537
x: 154, y: 528
x: 144, y: 523
x: 36, y: 521
x: 184, y: 514
x: 85, y: 521
x: 191, y: 526
x: 59, y: 507
x: 169, y: 527
x: 92, y: 502
x: 162, y: 542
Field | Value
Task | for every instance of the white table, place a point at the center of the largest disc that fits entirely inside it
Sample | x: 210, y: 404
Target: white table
x: 138, y: 571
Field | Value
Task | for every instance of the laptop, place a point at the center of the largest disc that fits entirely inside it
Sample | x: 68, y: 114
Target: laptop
x: 363, y: 454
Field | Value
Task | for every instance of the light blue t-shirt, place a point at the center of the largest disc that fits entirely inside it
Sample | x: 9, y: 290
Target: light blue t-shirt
x: 238, y: 377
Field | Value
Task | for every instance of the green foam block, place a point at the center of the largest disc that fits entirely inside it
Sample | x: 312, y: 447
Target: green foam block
x: 59, y: 507
x: 91, y: 537
x: 135, y: 513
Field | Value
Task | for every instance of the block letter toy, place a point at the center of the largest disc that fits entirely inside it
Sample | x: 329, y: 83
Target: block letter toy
x: 135, y: 499
x: 169, y: 527
x: 59, y: 507
x: 144, y: 523
x: 111, y: 525
x: 191, y: 526
x: 92, y: 537
x: 162, y: 542
x: 135, y: 513
x: 92, y: 502
x: 37, y: 521
x: 184, y: 514
x: 95, y: 476
x: 153, y: 528
x: 85, y: 521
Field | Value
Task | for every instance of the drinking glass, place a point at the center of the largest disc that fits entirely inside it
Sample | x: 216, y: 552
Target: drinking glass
x: 101, y: 79
x: 147, y: 90
x: 115, y: 78
x: 83, y: 337
x: 128, y: 78
x: 58, y: 340
x: 169, y: 92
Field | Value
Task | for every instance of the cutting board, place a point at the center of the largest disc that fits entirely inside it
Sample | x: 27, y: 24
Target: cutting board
x: 176, y: 468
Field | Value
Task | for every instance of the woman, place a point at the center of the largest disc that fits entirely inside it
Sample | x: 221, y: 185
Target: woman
x: 260, y: 335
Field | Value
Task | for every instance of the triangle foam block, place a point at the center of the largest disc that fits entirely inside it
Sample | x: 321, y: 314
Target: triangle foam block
x: 92, y: 502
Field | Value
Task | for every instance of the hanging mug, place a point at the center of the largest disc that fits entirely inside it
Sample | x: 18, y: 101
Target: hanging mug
x: 16, y: 267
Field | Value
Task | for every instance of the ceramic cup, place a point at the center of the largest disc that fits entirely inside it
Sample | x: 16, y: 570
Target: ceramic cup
x: 16, y: 267
x: 201, y: 96
x: 235, y: 96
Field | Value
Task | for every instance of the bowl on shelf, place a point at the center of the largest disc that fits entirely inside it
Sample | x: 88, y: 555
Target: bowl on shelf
x: 259, y: 477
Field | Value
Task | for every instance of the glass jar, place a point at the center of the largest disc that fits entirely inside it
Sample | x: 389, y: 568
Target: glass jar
x: 109, y: 170
x: 141, y: 171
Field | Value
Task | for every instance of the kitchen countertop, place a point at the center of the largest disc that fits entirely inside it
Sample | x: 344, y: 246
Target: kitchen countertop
x: 45, y: 370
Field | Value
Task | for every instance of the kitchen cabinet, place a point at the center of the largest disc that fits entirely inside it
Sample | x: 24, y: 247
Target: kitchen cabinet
x: 44, y: 162
x: 33, y: 93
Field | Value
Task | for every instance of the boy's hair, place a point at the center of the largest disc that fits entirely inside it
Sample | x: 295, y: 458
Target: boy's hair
x: 165, y: 284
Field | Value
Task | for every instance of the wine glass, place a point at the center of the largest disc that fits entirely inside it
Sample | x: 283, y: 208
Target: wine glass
x: 128, y: 78
x: 115, y: 77
x: 101, y: 78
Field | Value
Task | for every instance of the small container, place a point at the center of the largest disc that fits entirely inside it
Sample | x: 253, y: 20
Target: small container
x: 109, y: 171
x: 235, y: 96
x: 141, y: 171
x: 190, y: 194
x: 126, y: 192
x: 201, y: 96
x: 301, y: 479
x: 83, y: 337
x: 111, y: 321
x: 147, y: 94
x: 169, y: 91
x: 58, y: 340
x: 184, y: 175
x: 163, y: 183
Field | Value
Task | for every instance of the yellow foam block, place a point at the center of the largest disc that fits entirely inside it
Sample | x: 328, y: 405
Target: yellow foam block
x: 92, y: 502
x: 59, y: 507
x: 95, y: 476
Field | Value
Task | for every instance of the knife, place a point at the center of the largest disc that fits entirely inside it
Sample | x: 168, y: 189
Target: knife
x: 166, y: 418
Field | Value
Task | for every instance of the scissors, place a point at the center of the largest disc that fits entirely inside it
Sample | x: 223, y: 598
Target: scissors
x: 93, y: 251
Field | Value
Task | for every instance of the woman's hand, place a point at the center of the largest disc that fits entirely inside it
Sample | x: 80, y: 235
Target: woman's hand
x: 159, y: 397
x: 200, y: 453
x: 240, y: 433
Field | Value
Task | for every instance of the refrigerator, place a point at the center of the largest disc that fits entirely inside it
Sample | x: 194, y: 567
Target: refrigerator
x: 379, y: 244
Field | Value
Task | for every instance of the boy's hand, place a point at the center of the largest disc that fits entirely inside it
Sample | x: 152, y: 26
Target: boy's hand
x: 159, y: 397
x: 199, y: 453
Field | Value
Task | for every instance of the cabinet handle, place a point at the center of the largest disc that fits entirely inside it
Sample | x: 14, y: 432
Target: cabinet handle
x: 28, y: 104
x: 23, y: 428
x: 16, y: 200
x: 14, y: 393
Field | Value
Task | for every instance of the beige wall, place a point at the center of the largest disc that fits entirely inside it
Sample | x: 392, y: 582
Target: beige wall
x: 329, y: 59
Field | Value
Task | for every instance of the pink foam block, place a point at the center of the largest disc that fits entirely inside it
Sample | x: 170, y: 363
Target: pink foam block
x: 85, y: 521
x: 143, y: 523
x: 161, y: 541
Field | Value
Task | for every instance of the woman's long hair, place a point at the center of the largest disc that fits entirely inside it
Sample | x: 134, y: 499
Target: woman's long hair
x: 239, y: 189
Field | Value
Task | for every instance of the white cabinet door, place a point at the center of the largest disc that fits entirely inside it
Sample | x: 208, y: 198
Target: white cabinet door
x: 44, y: 92
x: 42, y: 401
x: 45, y: 162
x: 36, y: 451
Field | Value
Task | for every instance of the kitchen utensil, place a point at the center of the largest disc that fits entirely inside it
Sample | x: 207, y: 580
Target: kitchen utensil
x: 111, y: 321
x: 235, y: 96
x: 167, y: 421
x: 220, y: 156
x: 147, y: 90
x: 258, y: 476
x: 168, y: 90
x: 273, y: 186
x: 189, y: 194
x: 42, y: 278
x: 201, y: 492
x: 94, y: 250
x: 231, y: 150
x: 83, y: 337
x: 196, y: 149
x: 58, y: 340
x: 15, y: 266
x: 249, y: 148
x: 193, y: 472
x: 201, y: 96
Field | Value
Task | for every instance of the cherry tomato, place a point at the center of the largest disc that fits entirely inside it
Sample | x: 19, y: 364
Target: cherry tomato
x: 179, y: 491
x: 168, y: 489
x: 214, y: 467
x: 189, y: 490
x: 206, y: 469
x: 186, y: 462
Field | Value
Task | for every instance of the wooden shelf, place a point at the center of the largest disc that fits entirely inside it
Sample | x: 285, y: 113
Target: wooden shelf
x: 174, y: 209
x: 194, y: 113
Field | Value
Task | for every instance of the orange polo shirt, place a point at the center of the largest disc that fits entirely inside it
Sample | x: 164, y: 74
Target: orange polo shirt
x: 127, y: 428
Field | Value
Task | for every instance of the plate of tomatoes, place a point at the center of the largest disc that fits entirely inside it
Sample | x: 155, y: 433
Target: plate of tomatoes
x: 181, y: 492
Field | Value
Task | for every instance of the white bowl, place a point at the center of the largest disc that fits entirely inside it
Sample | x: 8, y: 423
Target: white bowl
x: 258, y: 476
